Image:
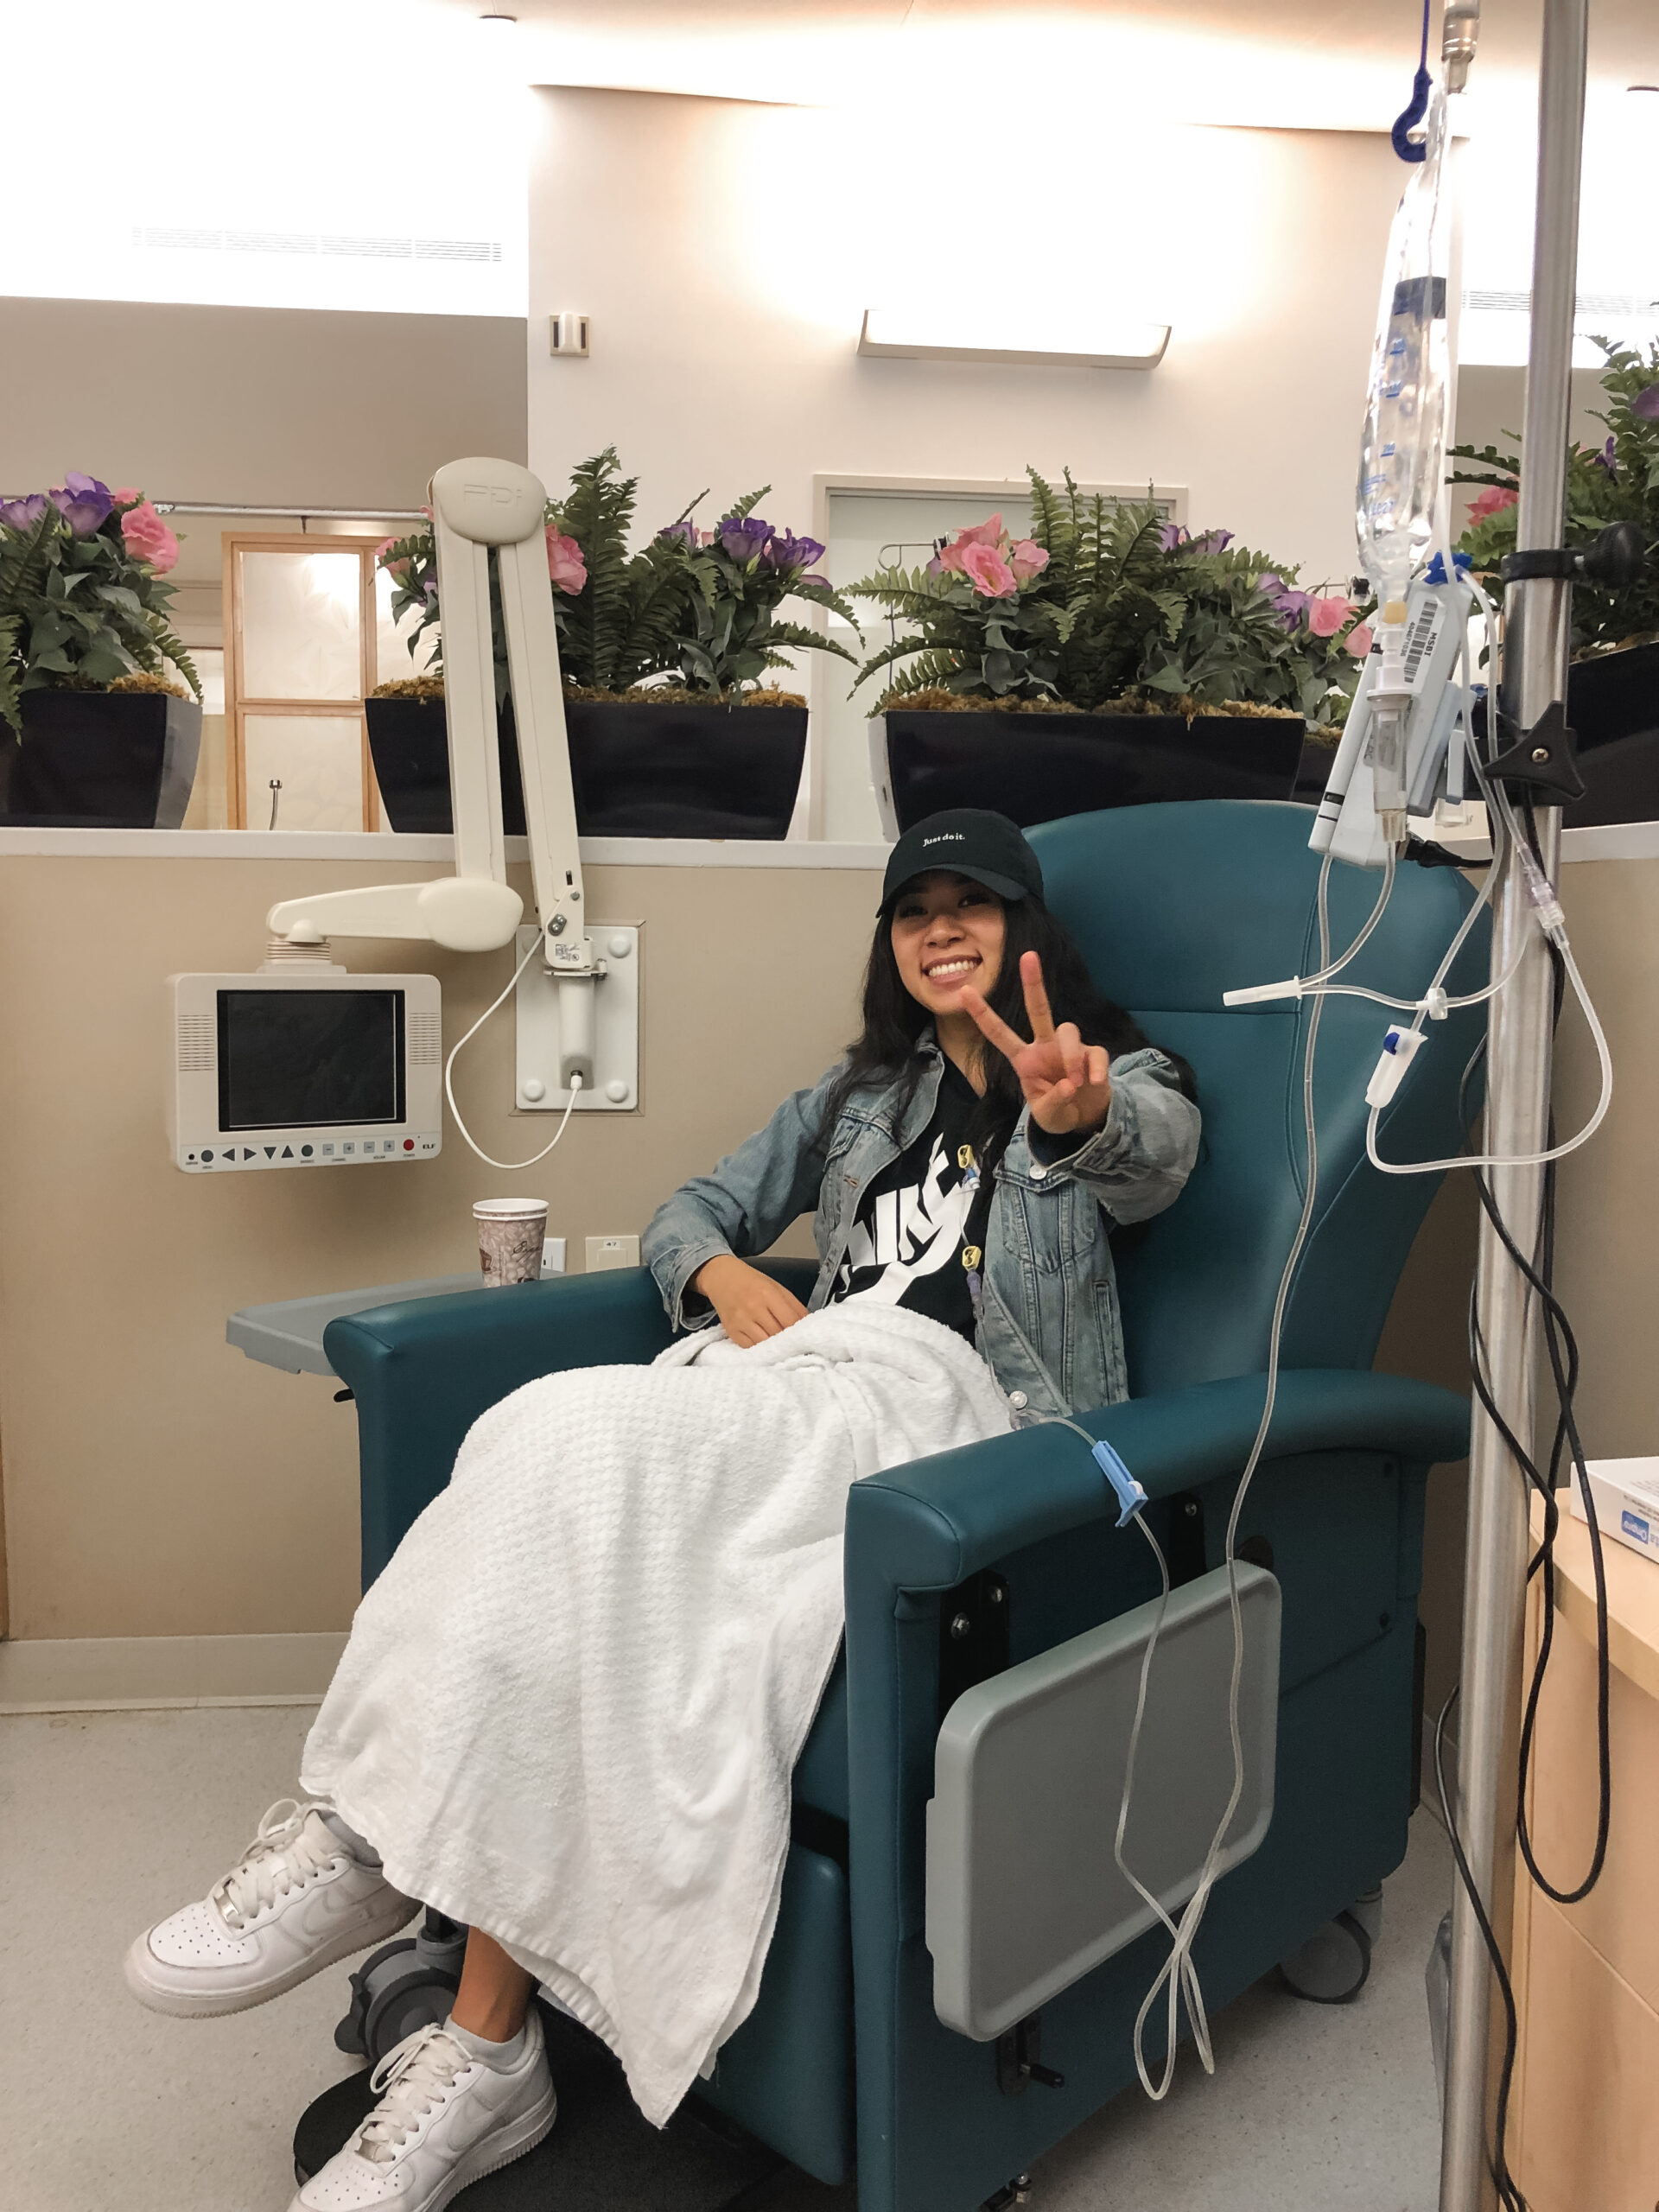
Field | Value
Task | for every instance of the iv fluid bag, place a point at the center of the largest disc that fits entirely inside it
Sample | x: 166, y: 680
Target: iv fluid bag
x: 1402, y: 449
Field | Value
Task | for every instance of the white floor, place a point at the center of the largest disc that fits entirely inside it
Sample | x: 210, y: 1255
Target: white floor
x: 108, y: 1819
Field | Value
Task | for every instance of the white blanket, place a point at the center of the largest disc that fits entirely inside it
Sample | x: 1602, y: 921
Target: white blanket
x: 570, y: 1706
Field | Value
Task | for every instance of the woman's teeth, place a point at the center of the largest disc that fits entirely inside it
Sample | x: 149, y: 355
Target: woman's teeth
x: 948, y: 970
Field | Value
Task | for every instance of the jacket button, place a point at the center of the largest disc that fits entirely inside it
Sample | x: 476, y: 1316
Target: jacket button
x: 1017, y: 1398
x: 1037, y: 1171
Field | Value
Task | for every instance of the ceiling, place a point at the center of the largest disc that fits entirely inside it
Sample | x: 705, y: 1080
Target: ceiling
x: 1331, y: 64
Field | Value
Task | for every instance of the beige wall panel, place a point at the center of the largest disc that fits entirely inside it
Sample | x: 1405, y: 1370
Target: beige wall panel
x: 724, y: 347
x: 1607, y: 1241
x: 245, y: 405
x: 158, y: 1483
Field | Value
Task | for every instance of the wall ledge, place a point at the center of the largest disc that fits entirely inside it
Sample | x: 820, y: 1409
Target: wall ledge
x: 136, y: 1674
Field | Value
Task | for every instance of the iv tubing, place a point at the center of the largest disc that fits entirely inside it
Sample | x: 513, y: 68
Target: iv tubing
x: 510, y: 1166
x: 1179, y: 1973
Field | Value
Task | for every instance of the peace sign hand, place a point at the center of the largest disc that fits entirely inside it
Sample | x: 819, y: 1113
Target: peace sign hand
x: 1067, y: 1083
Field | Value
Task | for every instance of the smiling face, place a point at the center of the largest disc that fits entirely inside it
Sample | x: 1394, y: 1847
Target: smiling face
x: 947, y: 930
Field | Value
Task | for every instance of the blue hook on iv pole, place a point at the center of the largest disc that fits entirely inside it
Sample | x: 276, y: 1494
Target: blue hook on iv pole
x: 1130, y: 1496
x: 1411, y: 116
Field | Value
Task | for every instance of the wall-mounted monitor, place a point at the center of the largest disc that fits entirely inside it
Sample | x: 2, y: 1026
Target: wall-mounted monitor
x: 312, y: 1069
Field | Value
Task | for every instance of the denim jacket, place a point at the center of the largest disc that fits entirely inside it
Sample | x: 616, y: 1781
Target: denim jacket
x: 1048, y: 1322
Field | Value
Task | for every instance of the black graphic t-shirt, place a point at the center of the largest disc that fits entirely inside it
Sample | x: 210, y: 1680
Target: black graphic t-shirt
x: 908, y: 1241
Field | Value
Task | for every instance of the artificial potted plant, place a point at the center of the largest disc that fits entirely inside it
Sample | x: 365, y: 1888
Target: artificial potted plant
x: 660, y: 649
x: 99, y: 734
x: 1108, y: 659
x: 1612, y: 688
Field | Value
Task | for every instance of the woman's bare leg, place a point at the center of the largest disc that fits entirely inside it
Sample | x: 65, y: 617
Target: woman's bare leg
x: 494, y: 1993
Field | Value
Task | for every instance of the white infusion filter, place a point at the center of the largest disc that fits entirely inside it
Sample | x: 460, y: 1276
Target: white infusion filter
x: 308, y: 1067
x: 1402, y: 449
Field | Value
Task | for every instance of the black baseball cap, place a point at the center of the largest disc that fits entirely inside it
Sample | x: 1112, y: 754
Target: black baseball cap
x: 966, y: 841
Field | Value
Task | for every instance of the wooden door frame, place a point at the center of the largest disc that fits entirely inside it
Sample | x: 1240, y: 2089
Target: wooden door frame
x: 234, y: 542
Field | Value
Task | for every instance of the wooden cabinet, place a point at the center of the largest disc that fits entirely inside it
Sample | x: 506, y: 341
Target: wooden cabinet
x: 1587, y: 2132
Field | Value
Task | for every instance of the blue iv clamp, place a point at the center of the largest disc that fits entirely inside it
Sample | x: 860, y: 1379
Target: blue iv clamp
x: 1130, y: 1496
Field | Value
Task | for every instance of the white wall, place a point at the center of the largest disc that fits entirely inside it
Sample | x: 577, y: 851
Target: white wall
x: 726, y: 252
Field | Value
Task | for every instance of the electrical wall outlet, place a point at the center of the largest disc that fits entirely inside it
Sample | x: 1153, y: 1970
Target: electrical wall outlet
x: 567, y: 335
x: 612, y: 1252
x: 553, y: 1255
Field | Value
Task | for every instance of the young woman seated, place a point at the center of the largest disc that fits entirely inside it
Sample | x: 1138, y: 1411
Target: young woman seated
x: 970, y: 1158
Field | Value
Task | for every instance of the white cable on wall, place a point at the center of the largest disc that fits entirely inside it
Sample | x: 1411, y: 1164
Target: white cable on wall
x: 509, y: 1166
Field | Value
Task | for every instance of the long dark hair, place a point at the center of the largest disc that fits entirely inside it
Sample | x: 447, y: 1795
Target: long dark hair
x: 885, y: 1048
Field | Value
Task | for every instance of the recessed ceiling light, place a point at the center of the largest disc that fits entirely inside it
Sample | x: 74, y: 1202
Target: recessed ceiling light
x: 1642, y: 88
x: 494, y: 16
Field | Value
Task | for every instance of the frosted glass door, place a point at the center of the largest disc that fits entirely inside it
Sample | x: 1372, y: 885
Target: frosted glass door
x: 302, y: 649
x: 301, y: 622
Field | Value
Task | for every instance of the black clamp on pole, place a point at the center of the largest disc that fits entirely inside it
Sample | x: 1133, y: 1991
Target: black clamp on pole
x: 1541, y: 759
x: 1615, y: 558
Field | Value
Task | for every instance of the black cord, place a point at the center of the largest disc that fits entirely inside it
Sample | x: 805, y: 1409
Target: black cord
x: 1538, y: 1273
x: 1508, y: 2190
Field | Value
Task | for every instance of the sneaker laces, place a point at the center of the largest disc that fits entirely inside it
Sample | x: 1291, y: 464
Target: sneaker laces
x: 285, y: 1852
x: 412, y: 2080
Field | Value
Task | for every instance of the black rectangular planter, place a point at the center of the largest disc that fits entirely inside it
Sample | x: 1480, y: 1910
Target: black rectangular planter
x: 99, y: 760
x: 686, y: 770
x: 1040, y: 767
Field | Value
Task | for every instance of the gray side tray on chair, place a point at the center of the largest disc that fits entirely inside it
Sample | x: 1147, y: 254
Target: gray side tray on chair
x: 289, y: 1334
x: 1024, y: 1895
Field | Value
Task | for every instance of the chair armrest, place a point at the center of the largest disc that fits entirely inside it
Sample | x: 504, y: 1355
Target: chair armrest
x: 423, y: 1371
x: 929, y: 1525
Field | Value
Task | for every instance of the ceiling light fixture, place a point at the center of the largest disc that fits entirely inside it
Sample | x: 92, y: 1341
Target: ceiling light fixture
x: 1037, y: 340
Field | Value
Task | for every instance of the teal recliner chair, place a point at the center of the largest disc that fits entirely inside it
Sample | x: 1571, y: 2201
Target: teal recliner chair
x: 843, y: 2066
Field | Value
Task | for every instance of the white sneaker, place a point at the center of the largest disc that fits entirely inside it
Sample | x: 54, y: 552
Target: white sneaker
x: 445, y: 2119
x: 297, y: 1902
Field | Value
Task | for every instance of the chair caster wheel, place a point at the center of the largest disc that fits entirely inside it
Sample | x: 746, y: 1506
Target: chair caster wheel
x: 1014, y: 2192
x: 400, y: 1988
x: 1335, y: 1963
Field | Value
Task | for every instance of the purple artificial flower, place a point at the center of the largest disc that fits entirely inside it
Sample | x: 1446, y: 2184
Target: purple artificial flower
x: 823, y: 583
x: 24, y: 511
x: 1290, y: 605
x: 1607, y: 458
x: 1213, y: 541
x: 1172, y: 535
x: 684, y: 530
x: 1645, y: 405
x: 786, y: 550
x: 743, y: 537
x: 83, y: 502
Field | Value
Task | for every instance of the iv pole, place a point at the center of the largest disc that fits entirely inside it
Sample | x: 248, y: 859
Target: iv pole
x: 1536, y: 623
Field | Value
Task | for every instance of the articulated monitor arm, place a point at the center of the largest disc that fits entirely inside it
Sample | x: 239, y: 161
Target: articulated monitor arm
x: 478, y: 503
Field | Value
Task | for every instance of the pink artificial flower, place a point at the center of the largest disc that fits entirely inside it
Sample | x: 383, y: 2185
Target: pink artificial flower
x: 565, y: 565
x: 948, y: 560
x: 398, y: 570
x: 1027, y: 559
x: 146, y: 538
x: 1491, y: 501
x: 384, y: 548
x: 982, y: 533
x: 1327, y: 616
x: 1359, y: 640
x: 129, y: 498
x: 989, y: 573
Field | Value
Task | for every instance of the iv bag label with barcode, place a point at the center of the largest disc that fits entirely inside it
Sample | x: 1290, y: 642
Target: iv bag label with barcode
x: 1419, y: 640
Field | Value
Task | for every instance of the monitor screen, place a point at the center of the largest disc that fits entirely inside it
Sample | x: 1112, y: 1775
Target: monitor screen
x: 309, y: 1060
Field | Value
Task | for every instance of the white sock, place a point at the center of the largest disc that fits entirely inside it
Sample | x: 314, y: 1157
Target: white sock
x: 361, y: 1849
x: 501, y: 2055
